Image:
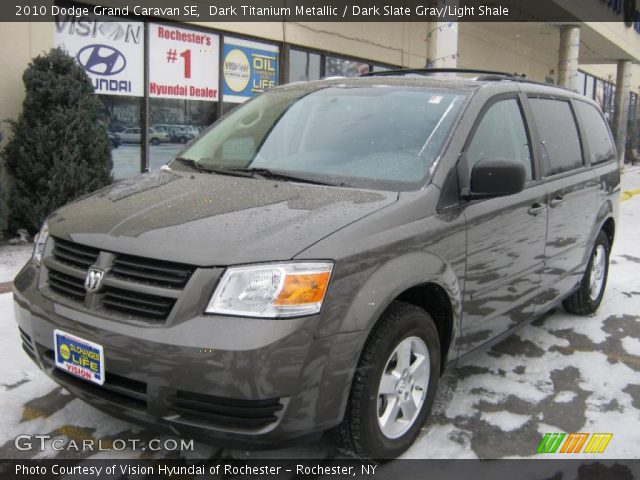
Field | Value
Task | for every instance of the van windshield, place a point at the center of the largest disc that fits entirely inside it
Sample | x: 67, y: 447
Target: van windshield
x: 377, y: 137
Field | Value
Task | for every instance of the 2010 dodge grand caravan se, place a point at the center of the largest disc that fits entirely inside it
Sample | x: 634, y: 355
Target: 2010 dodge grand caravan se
x: 317, y: 258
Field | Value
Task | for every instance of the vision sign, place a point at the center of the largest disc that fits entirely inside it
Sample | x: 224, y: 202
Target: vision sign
x: 249, y: 68
x: 112, y: 53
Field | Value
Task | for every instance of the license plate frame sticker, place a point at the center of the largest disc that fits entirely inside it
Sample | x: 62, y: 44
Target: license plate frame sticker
x: 79, y: 357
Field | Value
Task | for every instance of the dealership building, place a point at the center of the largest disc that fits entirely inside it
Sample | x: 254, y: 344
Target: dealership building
x: 162, y: 82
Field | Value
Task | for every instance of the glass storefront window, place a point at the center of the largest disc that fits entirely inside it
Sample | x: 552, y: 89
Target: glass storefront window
x: 609, y: 100
x: 581, y: 82
x: 173, y: 123
x: 590, y: 86
x: 303, y: 66
x: 124, y: 116
x: 599, y: 98
x: 340, y: 67
x: 184, y: 88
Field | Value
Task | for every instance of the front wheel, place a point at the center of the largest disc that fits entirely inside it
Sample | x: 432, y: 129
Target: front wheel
x: 394, y: 385
x: 587, y: 298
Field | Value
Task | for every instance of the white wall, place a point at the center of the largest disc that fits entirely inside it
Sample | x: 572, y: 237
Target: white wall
x: 19, y: 43
x: 524, y: 48
x: 395, y: 43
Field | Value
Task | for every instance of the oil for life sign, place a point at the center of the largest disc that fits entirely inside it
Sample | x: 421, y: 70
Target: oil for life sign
x: 183, y: 63
x: 249, y: 68
x: 112, y: 52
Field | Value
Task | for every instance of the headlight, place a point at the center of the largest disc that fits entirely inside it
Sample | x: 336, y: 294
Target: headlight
x: 272, y: 290
x: 40, y: 240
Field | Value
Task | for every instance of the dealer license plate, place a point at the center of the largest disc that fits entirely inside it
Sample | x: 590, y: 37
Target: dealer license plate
x: 79, y: 357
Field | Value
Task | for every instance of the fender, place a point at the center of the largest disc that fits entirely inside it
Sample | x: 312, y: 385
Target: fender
x: 605, y: 213
x: 383, y: 286
x: 608, y: 178
x: 374, y: 296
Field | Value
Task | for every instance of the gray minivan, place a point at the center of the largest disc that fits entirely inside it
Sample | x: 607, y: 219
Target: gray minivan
x: 316, y: 259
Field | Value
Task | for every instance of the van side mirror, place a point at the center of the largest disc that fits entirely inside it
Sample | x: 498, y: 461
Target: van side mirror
x: 496, y: 177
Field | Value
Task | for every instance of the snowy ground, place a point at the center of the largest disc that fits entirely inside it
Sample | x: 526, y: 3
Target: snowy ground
x: 12, y: 258
x: 563, y: 373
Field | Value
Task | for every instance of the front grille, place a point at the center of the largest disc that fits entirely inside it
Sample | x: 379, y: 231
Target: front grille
x: 137, y: 304
x: 225, y: 411
x: 137, y: 287
x: 74, y: 254
x: 66, y: 285
x: 155, y: 272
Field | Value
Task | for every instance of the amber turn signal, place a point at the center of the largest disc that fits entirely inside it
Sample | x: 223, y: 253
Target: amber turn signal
x: 303, y: 288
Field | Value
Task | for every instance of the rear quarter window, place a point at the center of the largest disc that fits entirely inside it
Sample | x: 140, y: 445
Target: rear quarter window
x: 596, y: 132
x: 561, y: 147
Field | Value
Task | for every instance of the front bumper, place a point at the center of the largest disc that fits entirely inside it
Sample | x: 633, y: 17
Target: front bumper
x: 228, y: 381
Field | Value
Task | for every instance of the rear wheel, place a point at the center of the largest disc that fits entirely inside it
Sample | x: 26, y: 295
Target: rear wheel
x: 394, y: 385
x: 587, y: 298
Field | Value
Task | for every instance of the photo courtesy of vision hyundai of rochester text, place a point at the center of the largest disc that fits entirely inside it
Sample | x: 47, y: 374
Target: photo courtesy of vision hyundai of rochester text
x: 321, y: 255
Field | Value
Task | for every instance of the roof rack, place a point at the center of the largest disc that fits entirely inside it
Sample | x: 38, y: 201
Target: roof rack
x: 428, y: 71
x: 483, y: 75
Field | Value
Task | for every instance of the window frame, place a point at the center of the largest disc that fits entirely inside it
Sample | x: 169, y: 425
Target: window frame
x: 545, y: 165
x: 464, y: 174
x: 323, y: 60
x: 586, y: 148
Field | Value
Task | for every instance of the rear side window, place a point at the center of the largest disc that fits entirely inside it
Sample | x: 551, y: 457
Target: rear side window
x: 501, y: 134
x: 560, y: 141
x: 597, y: 134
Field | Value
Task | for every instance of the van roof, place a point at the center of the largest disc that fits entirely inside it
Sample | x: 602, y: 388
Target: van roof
x: 449, y: 79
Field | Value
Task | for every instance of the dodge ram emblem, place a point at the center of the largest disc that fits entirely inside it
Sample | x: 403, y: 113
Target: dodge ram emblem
x: 93, y: 282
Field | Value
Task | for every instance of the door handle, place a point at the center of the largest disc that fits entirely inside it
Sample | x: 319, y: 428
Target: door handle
x: 557, y: 200
x: 537, y: 208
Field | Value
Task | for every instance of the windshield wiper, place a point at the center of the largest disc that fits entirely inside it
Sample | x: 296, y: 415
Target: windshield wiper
x: 209, y: 169
x: 191, y: 162
x: 277, y: 175
x: 251, y: 172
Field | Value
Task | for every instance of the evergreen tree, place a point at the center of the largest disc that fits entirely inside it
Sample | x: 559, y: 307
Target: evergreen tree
x: 4, y: 209
x: 59, y: 149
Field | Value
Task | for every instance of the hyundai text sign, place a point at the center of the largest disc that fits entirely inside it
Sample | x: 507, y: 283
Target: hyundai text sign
x: 112, y: 53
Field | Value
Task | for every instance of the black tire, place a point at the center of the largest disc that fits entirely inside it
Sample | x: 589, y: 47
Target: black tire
x: 580, y: 301
x: 360, y: 433
x: 155, y: 141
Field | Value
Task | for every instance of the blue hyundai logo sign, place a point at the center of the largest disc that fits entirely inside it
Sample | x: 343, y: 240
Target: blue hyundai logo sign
x: 101, y: 60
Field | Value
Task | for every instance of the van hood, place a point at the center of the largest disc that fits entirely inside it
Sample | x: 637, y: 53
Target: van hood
x: 212, y: 220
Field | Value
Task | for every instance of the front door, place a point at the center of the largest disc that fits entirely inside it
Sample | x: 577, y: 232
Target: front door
x: 505, y: 235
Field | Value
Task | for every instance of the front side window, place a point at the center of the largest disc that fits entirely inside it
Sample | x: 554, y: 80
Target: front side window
x: 501, y: 134
x: 560, y: 142
x: 370, y: 137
